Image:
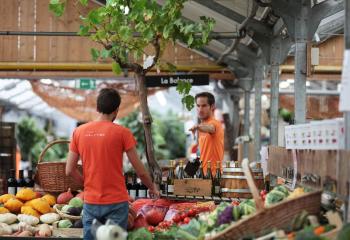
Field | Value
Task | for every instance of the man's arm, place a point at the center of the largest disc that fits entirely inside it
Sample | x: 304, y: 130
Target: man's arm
x: 72, y: 167
x: 208, y: 128
x: 141, y: 171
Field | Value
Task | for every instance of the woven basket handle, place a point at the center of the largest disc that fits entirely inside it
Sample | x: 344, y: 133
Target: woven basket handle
x: 252, y: 186
x: 50, y: 144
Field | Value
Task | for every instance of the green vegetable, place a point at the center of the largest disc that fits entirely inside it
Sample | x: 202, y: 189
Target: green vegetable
x: 65, y: 208
x: 65, y: 224
x: 166, y: 235
x: 282, y: 189
x: 140, y: 234
x: 274, y: 196
x: 247, y: 207
x: 236, y: 213
x: 344, y: 233
x: 76, y: 202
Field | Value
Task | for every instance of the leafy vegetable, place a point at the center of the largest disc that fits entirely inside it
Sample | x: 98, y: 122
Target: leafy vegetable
x: 140, y: 234
x: 225, y: 216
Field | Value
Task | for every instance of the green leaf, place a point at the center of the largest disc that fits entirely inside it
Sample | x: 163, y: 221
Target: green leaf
x: 188, y: 101
x: 171, y: 67
x: 84, y: 2
x: 84, y: 30
x: 166, y: 31
x: 94, y: 17
x: 148, y: 34
x: 57, y: 7
x: 183, y: 87
x: 190, y: 40
x: 125, y: 32
x: 94, y: 54
x: 105, y: 53
x: 116, y: 68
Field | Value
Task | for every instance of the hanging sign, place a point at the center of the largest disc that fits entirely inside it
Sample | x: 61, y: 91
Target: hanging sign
x: 172, y: 80
x: 87, y: 84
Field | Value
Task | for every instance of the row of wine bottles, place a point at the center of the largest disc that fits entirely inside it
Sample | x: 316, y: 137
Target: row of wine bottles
x: 168, y: 183
x: 15, y: 185
x: 136, y: 189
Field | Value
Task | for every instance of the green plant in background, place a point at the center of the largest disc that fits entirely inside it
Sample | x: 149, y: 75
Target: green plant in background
x: 28, y: 135
x: 32, y: 141
x: 126, y: 28
x: 168, y: 134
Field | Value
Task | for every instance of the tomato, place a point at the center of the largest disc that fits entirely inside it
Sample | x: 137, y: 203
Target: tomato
x: 151, y: 229
x: 183, y: 216
x: 235, y: 203
x: 187, y: 220
x: 177, y: 218
x: 154, y: 217
x: 192, y: 212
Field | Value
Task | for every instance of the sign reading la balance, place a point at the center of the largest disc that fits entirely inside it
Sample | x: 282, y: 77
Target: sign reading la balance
x: 172, y: 80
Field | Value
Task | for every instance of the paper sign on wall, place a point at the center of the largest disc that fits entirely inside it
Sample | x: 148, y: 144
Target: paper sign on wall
x: 344, y: 103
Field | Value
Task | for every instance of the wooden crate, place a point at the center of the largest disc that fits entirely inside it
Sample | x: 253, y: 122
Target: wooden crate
x: 7, y: 149
x: 192, y: 187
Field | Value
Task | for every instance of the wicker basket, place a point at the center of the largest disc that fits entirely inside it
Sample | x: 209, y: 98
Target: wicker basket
x: 63, y: 215
x: 276, y: 216
x: 52, y: 175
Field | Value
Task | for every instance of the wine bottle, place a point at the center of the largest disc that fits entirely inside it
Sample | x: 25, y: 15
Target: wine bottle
x: 21, y: 183
x: 170, y: 179
x: 12, y: 182
x: 200, y: 173
x: 163, y: 185
x: 29, y: 180
x: 217, y: 180
x: 133, y: 189
x: 137, y: 187
x: 209, y: 174
x: 142, y: 189
x: 181, y: 173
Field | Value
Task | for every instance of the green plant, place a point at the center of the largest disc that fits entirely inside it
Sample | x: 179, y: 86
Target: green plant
x: 28, y: 135
x: 125, y: 28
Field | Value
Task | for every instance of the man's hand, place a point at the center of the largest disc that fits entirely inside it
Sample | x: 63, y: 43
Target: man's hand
x: 194, y: 129
x: 153, y: 192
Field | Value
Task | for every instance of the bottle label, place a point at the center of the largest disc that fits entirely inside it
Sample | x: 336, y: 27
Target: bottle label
x: 11, y: 190
x: 217, y: 189
x: 142, y: 193
x: 170, y: 188
x: 19, y: 189
x: 133, y: 194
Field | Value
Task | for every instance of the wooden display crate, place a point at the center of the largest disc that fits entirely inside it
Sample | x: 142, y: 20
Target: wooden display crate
x: 192, y: 187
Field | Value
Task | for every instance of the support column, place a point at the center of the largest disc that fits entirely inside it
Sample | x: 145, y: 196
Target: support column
x: 301, y: 34
x: 258, y: 77
x: 347, y: 114
x: 246, y: 121
x: 274, y: 106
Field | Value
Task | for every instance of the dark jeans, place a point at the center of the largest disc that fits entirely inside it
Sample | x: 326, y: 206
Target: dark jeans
x: 117, y: 212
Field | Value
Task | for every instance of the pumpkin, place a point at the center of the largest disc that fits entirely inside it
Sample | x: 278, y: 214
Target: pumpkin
x: 4, y: 198
x: 4, y: 210
x: 14, y: 205
x: 50, y: 199
x: 29, y: 211
x: 41, y: 205
x: 26, y: 194
x: 29, y: 203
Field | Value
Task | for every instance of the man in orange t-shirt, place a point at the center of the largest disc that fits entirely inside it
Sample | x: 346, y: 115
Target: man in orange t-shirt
x: 100, y: 145
x: 210, y: 132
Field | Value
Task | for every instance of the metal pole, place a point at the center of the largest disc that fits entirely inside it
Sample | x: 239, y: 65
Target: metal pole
x: 274, y: 106
x: 347, y: 114
x: 301, y: 30
x: 258, y: 76
x: 246, y: 121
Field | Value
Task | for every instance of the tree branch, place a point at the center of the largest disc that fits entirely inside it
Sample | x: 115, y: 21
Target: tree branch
x: 156, y: 46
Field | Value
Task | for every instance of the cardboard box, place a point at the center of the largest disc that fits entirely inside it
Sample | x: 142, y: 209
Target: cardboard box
x: 192, y: 187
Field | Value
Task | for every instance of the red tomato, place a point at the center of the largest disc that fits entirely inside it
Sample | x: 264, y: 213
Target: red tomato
x: 192, y: 213
x: 177, y: 218
x: 187, y: 220
x: 151, y: 229
x: 235, y: 203
x: 183, y: 216
x: 154, y: 217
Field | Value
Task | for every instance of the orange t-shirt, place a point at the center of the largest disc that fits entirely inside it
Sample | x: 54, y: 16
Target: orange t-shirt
x: 100, y: 145
x: 211, y: 146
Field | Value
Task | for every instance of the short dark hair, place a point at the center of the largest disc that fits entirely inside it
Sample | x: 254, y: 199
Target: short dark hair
x: 108, y: 100
x: 208, y: 95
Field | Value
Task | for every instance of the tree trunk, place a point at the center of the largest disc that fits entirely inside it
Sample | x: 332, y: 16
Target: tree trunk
x: 156, y: 172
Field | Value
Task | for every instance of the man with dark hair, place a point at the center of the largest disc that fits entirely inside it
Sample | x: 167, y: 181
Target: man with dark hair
x: 100, y: 145
x: 210, y: 132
